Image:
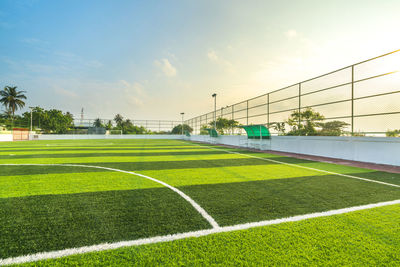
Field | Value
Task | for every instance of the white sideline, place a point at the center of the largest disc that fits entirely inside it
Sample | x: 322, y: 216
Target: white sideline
x: 168, y: 238
x: 203, y: 213
x: 300, y: 166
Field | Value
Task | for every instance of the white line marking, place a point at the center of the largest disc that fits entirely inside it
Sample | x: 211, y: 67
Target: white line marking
x: 300, y: 166
x: 168, y: 238
x: 203, y: 213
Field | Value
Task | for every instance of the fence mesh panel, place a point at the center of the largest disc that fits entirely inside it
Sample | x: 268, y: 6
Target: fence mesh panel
x: 365, y: 95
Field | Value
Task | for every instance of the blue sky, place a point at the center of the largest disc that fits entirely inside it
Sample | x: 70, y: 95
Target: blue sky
x: 155, y: 59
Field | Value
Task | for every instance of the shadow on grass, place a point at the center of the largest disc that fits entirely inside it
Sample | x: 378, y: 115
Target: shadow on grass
x: 52, y: 222
x: 233, y: 203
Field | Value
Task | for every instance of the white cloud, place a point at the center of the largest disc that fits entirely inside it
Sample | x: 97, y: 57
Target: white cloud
x: 32, y: 41
x: 226, y: 64
x: 133, y: 93
x: 212, y: 55
x: 94, y: 64
x: 71, y: 59
x: 125, y: 83
x: 291, y: 34
x: 171, y: 55
x: 65, y: 93
x: 40, y: 68
x: 166, y: 67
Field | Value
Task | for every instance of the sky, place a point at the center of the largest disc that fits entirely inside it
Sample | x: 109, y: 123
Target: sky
x: 156, y: 59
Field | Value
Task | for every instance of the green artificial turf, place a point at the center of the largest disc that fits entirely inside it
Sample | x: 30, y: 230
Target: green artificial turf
x: 235, y: 203
x: 363, y: 238
x: 53, y: 222
x: 62, y: 183
x: 43, y: 208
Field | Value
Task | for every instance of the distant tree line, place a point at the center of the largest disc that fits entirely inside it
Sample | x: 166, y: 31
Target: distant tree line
x: 222, y: 125
x: 178, y: 129
x: 305, y: 123
x: 309, y: 123
x: 125, y: 126
x: 50, y: 121
x: 393, y: 133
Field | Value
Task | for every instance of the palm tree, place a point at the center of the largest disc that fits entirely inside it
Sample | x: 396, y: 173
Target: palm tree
x: 97, y: 123
x: 109, y: 125
x: 118, y: 119
x: 12, y: 99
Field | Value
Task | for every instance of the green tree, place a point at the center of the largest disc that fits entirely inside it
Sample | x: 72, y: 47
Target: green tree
x: 118, y: 120
x: 279, y: 127
x: 332, y: 128
x: 304, y: 122
x: 394, y: 133
x: 203, y: 130
x: 178, y: 129
x: 12, y: 99
x: 54, y: 121
x: 98, y: 123
x: 127, y: 127
x: 37, y: 116
x: 224, y: 125
x: 109, y: 125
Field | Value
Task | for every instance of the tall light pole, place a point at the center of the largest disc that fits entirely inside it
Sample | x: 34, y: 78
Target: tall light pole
x: 31, y: 117
x: 215, y: 110
x: 182, y: 113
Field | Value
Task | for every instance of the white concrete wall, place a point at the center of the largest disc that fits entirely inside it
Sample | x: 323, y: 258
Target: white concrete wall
x: 381, y: 150
x: 6, y: 137
x: 99, y: 136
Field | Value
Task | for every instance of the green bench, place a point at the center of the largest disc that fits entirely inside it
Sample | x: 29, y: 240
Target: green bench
x: 212, y: 132
x: 257, y: 131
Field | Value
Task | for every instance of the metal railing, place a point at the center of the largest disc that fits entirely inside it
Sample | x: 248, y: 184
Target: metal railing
x: 366, y: 95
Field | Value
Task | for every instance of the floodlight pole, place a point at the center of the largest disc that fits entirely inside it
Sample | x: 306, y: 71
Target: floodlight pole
x: 215, y: 110
x: 31, y: 117
x: 182, y: 113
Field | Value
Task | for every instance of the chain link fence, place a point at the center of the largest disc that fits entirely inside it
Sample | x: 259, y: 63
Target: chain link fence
x: 365, y: 95
x: 155, y: 126
x: 88, y: 126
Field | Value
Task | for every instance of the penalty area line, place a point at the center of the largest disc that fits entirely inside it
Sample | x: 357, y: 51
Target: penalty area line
x: 200, y: 233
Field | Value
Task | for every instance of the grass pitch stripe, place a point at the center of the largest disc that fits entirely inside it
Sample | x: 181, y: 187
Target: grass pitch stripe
x: 203, y: 213
x: 168, y: 238
x: 303, y: 167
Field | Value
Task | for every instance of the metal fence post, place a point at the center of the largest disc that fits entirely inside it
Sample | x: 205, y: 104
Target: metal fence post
x: 233, y: 116
x: 268, y: 110
x: 352, y: 100
x: 299, y: 108
x: 247, y: 112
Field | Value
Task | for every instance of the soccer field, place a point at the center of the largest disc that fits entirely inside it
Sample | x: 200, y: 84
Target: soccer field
x: 171, y: 202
